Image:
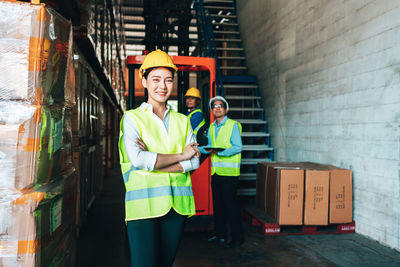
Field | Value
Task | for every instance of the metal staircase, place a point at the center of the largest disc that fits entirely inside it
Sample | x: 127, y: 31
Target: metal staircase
x: 240, y: 89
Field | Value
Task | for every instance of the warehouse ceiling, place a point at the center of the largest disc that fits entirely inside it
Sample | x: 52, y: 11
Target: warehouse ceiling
x: 159, y: 24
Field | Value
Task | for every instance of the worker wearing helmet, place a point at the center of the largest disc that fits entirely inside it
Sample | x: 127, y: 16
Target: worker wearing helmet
x: 157, y: 152
x: 192, y: 99
x: 225, y: 146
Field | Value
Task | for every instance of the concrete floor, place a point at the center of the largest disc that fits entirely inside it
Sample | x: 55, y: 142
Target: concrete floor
x: 102, y: 242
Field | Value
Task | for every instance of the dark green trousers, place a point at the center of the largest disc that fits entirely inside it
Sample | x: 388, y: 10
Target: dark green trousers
x: 154, y: 242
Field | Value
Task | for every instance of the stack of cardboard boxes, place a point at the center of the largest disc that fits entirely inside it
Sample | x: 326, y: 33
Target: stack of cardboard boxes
x: 304, y: 193
x: 38, y: 186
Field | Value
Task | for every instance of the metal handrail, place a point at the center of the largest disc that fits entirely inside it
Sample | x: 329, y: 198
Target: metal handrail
x: 206, y: 43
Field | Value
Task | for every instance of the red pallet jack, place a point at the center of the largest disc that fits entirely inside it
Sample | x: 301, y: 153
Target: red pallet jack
x: 271, y: 228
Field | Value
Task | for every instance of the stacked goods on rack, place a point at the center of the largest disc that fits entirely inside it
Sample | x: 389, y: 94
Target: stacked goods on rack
x: 100, y: 87
x: 38, y: 184
x: 87, y: 135
x: 304, y: 193
x: 104, y: 27
x: 37, y: 224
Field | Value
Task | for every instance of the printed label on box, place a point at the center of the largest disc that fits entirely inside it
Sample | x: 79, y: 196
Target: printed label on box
x: 318, y: 195
x: 340, y: 199
x: 292, y: 193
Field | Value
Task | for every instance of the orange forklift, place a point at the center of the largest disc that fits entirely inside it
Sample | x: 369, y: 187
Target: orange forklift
x: 205, y: 67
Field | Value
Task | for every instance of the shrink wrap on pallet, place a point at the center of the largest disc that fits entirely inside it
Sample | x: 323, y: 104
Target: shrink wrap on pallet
x: 35, y: 144
x: 35, y: 44
x: 37, y: 225
x: 20, y: 127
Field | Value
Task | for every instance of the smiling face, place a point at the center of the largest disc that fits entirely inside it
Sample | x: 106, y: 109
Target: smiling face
x: 159, y: 84
x: 218, y: 109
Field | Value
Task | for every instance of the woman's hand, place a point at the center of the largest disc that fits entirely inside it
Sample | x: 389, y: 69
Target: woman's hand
x: 198, y: 153
x: 141, y: 145
x: 190, y: 150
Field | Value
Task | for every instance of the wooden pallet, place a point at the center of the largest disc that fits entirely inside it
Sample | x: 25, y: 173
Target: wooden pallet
x: 260, y: 219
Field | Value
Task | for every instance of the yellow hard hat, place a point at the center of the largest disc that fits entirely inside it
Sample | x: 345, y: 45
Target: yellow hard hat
x: 156, y: 58
x: 194, y: 92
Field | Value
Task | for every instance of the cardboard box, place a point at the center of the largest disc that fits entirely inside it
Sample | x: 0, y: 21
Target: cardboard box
x: 285, y: 188
x: 261, y: 183
x: 340, y: 193
x: 316, y: 197
x: 290, y: 188
x: 327, y: 193
x: 271, y: 185
x: 271, y: 192
x: 341, y: 197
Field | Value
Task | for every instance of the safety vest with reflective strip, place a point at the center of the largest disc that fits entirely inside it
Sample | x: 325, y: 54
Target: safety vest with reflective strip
x: 151, y: 194
x: 224, y: 166
x: 196, y: 130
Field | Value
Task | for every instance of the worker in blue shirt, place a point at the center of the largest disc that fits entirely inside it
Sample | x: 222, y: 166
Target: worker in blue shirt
x: 195, y: 115
x: 225, y: 146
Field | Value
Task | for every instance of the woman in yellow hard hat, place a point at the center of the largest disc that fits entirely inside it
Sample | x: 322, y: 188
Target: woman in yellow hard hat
x: 192, y: 100
x: 157, y: 153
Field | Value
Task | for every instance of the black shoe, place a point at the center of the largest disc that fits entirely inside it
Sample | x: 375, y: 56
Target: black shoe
x: 234, y: 244
x: 215, y: 238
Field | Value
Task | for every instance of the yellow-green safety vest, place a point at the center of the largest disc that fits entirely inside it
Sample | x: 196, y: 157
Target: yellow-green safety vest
x: 151, y: 194
x: 224, y: 166
x: 196, y: 130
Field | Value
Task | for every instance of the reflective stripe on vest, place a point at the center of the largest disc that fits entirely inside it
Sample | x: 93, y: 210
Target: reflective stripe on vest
x: 151, y: 194
x: 196, y: 130
x: 159, y: 192
x: 224, y: 166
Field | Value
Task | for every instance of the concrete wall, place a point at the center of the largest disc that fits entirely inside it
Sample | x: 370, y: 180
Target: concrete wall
x: 329, y: 74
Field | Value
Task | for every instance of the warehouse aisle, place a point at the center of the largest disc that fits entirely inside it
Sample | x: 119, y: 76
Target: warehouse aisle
x: 103, y: 242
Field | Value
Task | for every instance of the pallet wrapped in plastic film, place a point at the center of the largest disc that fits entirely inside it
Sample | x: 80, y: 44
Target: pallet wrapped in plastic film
x: 37, y: 90
x: 35, y: 46
x: 35, y: 144
x: 37, y: 225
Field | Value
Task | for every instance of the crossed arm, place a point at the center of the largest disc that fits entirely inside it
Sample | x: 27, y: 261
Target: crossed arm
x: 141, y: 158
x: 170, y: 162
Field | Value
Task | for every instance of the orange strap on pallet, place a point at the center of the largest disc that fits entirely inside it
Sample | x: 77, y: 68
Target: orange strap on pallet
x: 24, y: 246
x: 28, y: 246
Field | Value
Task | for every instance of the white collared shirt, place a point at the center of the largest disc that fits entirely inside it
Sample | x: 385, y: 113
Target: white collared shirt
x: 145, y: 159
